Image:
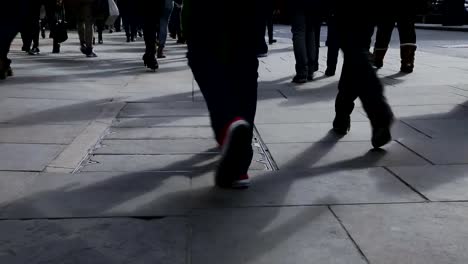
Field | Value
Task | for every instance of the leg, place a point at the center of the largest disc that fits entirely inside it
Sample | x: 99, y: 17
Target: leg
x: 317, y: 32
x: 408, y: 46
x: 384, y: 34
x: 298, y: 29
x: 333, y: 46
x: 359, y: 80
x: 151, y: 15
x: 163, y: 24
x: 311, y: 45
x: 228, y: 80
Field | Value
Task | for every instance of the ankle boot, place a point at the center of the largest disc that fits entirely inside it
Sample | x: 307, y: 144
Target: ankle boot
x: 56, y: 48
x: 379, y: 55
x: 407, y: 53
x: 160, y: 53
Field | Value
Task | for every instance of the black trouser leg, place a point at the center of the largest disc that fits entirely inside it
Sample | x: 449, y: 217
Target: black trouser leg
x: 317, y: 32
x: 359, y: 79
x: 406, y: 28
x: 333, y: 44
x: 384, y: 32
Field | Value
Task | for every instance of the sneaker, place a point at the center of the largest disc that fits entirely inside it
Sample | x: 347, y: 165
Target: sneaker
x: 341, y: 124
x: 236, y: 154
x: 91, y: 55
x: 299, y: 79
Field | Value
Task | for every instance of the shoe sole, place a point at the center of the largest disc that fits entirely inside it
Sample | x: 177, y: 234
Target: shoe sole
x: 229, y: 168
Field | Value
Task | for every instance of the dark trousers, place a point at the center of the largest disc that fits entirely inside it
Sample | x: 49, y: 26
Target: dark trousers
x: 303, y: 28
x: 150, y: 11
x: 12, y: 18
x: 129, y: 13
x: 333, y: 43
x: 227, y: 74
x: 358, y: 78
x: 269, y: 16
x: 175, y: 27
x: 406, y: 30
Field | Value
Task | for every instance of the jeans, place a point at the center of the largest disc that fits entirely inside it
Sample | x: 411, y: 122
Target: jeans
x: 85, y: 21
x: 304, y: 40
x: 358, y: 78
x: 164, y: 22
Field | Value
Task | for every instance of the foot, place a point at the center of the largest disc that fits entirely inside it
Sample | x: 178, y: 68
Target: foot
x: 43, y: 33
x: 310, y: 77
x: 173, y: 36
x: 381, y: 136
x: 160, y: 54
x: 407, y: 68
x: 34, y: 51
x: 128, y: 39
x: 83, y: 49
x: 180, y: 41
x: 56, y: 48
x: 378, y: 64
x: 341, y: 125
x: 272, y: 41
x: 150, y: 62
x: 330, y: 72
x: 299, y: 79
x: 90, y: 53
x: 25, y: 49
x: 100, y: 41
x: 236, y: 155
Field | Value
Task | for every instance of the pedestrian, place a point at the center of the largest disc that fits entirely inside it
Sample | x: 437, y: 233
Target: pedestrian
x: 403, y: 13
x: 31, y: 28
x: 163, y: 26
x: 305, y: 16
x: 12, y: 17
x: 175, y: 26
x: 227, y: 75
x: 358, y: 78
x: 272, y: 10
x: 150, y: 12
x: 129, y: 13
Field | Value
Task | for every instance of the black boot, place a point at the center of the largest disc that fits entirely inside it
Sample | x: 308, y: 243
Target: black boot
x: 150, y: 61
x: 5, y: 69
x: 56, y: 48
x: 160, y: 53
x: 407, y: 53
x: 378, y: 57
x: 342, y: 124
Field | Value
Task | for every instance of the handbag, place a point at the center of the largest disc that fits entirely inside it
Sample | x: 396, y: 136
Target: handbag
x: 60, y: 31
x: 113, y: 13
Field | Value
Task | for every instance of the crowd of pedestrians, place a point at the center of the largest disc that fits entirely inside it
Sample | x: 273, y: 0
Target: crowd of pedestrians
x: 227, y: 72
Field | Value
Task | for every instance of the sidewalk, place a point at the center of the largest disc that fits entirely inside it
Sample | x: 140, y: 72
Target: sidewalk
x: 463, y: 28
x: 102, y: 162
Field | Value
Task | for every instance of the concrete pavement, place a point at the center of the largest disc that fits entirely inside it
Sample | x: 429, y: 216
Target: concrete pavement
x: 103, y: 162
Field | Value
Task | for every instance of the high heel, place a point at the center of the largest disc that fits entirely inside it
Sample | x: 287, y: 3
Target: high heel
x: 150, y: 62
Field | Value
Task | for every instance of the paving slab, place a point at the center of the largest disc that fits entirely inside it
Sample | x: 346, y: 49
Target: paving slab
x: 423, y: 112
x: 164, y: 109
x: 60, y: 195
x: 161, y: 133
x: 427, y: 99
x: 192, y: 121
x: 440, y: 151
x: 46, y: 111
x: 286, y: 115
x: 162, y: 146
x: 314, y: 132
x: 27, y: 157
x: 447, y: 128
x: 306, y: 187
x: 270, y: 235
x: 202, y: 162
x: 106, y: 241
x: 45, y: 134
x: 341, y: 155
x: 438, y: 183
x: 13, y: 185
x: 409, y: 233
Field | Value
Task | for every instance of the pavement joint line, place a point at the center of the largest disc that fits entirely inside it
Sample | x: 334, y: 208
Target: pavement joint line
x: 356, y: 245
x: 416, y: 153
x: 414, y: 128
x: 272, y: 165
x: 77, y: 152
x: 389, y: 170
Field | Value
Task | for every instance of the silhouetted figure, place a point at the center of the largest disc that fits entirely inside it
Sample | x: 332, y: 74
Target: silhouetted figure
x: 358, y: 78
x: 305, y: 15
x: 403, y: 13
x: 227, y: 75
